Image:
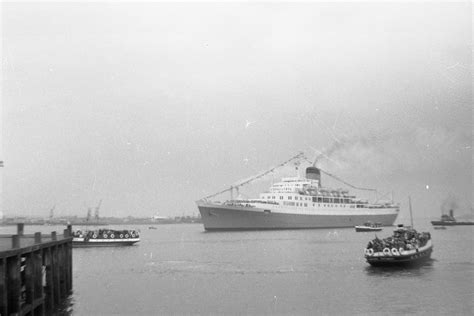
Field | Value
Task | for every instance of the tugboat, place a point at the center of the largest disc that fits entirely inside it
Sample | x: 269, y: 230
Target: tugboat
x: 405, y: 247
x: 450, y: 220
x: 369, y: 227
x: 105, y: 237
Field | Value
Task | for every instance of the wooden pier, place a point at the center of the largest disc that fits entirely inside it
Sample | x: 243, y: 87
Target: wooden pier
x: 35, y: 272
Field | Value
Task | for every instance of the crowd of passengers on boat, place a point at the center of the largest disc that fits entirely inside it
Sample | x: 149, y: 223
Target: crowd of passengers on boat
x: 106, y: 234
x: 402, y: 239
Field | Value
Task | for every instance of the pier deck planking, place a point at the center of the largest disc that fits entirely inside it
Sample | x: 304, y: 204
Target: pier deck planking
x: 35, y: 272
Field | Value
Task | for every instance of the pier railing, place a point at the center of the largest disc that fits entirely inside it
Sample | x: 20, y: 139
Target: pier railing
x: 35, y: 272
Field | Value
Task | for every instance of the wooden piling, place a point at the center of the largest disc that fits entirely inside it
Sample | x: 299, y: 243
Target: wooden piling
x: 20, y: 227
x: 15, y: 241
x: 49, y: 292
x: 35, y: 272
x: 69, y: 264
x: 38, y: 307
x: 29, y: 279
x: 3, y: 286
x: 37, y: 238
x: 62, y: 271
x: 13, y: 284
x: 56, y: 281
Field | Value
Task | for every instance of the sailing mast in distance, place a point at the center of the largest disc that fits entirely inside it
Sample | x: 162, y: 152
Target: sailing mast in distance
x: 411, y: 214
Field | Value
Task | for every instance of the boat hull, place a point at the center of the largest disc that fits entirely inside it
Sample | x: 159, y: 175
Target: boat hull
x: 446, y: 223
x: 218, y: 217
x: 368, y: 229
x: 81, y: 242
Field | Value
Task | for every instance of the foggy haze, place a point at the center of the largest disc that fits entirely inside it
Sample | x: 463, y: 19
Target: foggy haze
x: 152, y: 106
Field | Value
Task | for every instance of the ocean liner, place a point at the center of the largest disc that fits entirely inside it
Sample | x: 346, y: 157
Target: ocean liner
x: 294, y: 203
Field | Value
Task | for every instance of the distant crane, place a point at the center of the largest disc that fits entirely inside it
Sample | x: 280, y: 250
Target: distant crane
x: 89, y: 211
x: 96, y: 214
x: 51, y: 213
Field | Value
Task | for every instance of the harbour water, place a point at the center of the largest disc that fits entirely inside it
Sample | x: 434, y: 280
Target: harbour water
x: 180, y: 269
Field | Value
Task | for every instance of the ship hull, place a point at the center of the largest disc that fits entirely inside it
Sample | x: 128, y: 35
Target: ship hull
x: 446, y: 223
x: 367, y: 229
x: 217, y: 217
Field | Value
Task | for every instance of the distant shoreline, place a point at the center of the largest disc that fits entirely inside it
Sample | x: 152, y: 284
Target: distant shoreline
x: 102, y: 222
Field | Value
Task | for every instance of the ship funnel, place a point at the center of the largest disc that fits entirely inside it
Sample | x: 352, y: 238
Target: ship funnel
x: 451, y: 213
x: 313, y: 173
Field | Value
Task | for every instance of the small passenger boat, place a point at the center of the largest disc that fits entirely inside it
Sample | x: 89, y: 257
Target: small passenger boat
x: 369, y: 227
x: 105, y: 237
x: 405, y: 247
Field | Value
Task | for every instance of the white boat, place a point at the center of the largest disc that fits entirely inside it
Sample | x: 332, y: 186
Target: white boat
x: 369, y: 227
x: 295, y: 203
x: 105, y: 237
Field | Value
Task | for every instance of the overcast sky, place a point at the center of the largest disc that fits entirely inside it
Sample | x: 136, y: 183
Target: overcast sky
x: 152, y: 106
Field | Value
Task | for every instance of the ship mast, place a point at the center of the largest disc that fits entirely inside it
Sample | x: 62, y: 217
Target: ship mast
x: 296, y: 157
x: 339, y: 179
x: 346, y: 183
x: 236, y: 187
